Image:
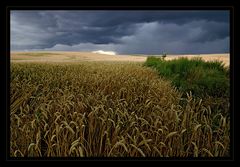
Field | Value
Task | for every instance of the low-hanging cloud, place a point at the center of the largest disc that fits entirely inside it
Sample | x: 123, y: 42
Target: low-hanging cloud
x: 123, y: 32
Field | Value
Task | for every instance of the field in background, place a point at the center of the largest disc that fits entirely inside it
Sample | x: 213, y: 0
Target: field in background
x: 225, y: 58
x: 87, y: 56
x: 70, y: 57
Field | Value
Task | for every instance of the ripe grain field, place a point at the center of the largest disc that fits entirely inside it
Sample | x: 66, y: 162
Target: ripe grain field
x: 109, y: 109
x: 61, y: 56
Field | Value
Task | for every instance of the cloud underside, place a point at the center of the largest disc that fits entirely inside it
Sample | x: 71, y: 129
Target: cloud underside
x: 67, y: 32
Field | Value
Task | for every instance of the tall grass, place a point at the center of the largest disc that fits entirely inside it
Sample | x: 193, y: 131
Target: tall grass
x: 195, y: 75
x: 108, y: 110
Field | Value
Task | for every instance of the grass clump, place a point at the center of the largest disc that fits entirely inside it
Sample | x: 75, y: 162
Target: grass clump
x: 195, y: 75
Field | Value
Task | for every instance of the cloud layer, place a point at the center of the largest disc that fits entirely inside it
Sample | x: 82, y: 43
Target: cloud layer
x: 123, y: 32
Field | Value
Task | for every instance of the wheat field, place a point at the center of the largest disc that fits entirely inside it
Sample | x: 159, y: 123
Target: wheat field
x: 108, y: 109
x: 60, y: 56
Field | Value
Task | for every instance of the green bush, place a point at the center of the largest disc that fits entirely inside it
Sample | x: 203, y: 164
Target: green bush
x: 195, y: 75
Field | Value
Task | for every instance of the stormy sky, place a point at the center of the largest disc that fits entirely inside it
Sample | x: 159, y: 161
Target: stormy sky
x: 124, y: 32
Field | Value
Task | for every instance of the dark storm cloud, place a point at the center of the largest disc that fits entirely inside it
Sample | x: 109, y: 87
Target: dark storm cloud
x: 178, y: 17
x: 148, y: 32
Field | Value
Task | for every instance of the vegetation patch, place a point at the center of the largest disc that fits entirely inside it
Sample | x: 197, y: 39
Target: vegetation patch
x: 200, y: 77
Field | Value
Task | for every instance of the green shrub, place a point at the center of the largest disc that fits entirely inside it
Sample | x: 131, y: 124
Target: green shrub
x: 164, y: 55
x: 195, y: 75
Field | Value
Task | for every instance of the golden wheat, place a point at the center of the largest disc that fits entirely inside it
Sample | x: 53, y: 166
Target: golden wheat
x: 109, y: 109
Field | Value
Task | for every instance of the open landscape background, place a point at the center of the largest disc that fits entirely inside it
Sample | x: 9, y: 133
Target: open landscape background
x: 66, y: 104
x: 133, y: 83
x: 60, y: 56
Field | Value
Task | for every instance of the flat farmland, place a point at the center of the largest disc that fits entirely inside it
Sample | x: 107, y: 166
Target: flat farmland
x: 88, y: 56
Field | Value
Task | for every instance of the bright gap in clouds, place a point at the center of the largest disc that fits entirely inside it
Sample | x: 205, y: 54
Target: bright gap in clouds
x: 105, y: 52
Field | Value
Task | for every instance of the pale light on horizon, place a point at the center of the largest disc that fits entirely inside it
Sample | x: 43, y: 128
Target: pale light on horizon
x: 105, y: 52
